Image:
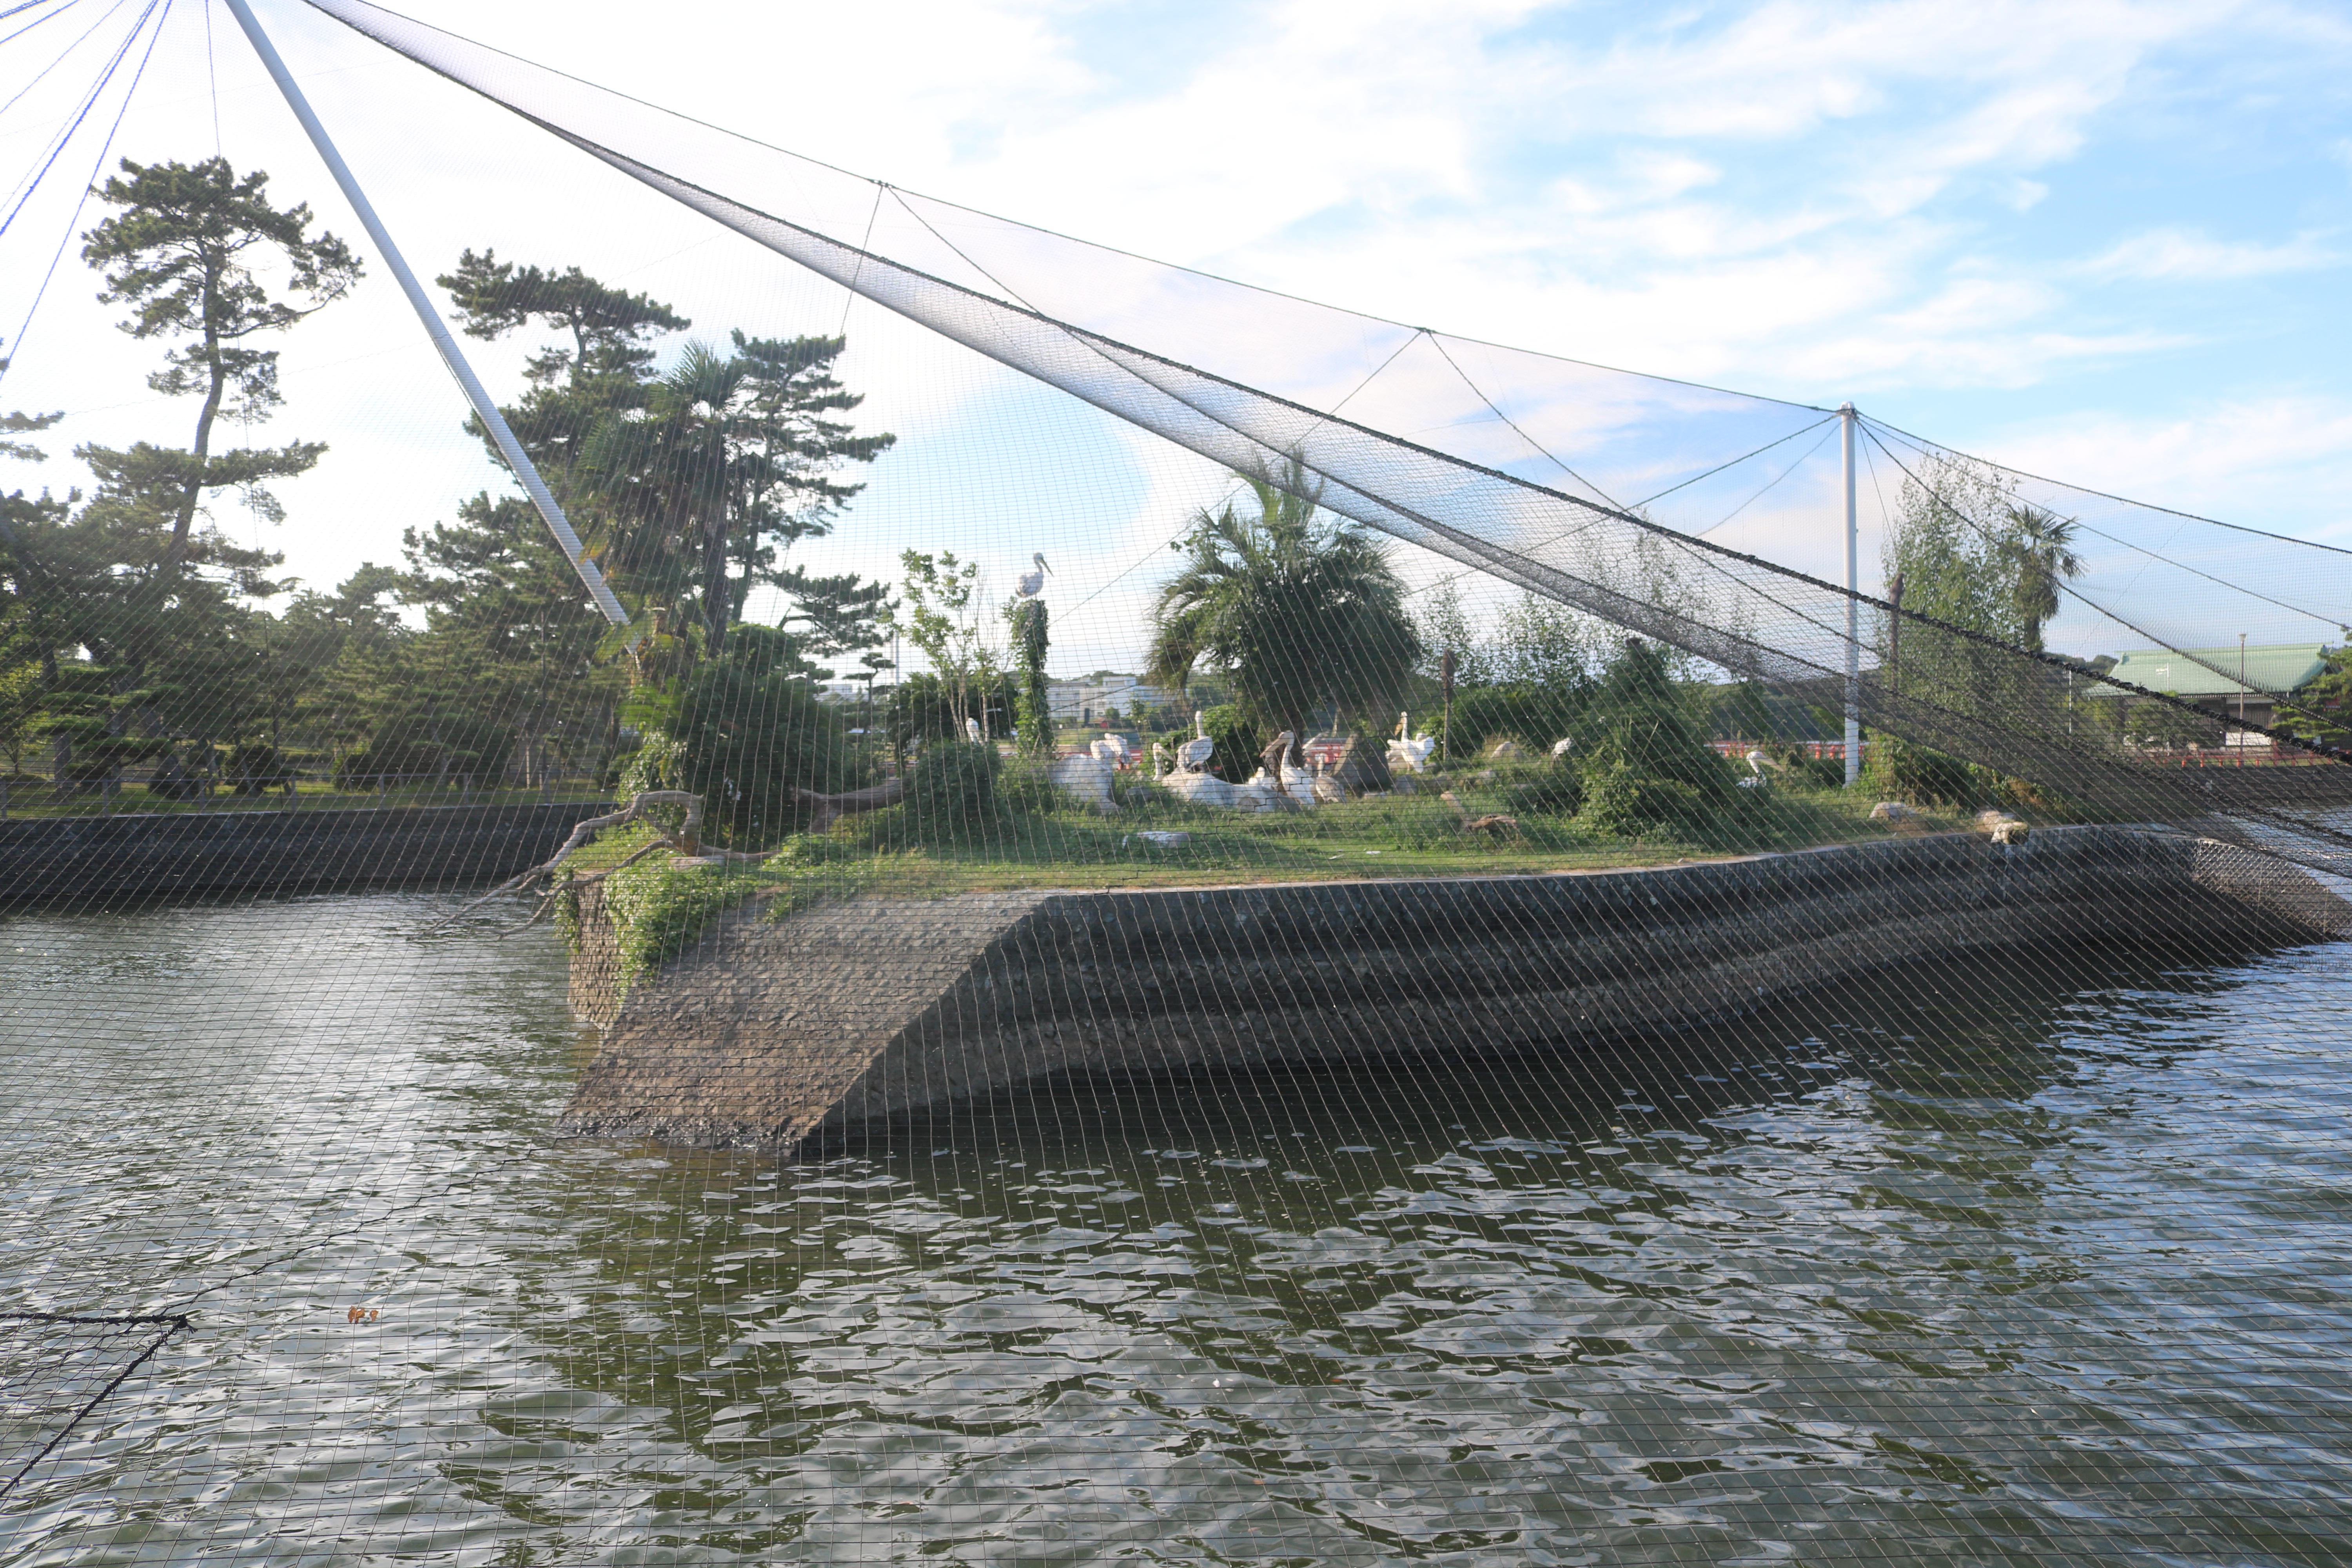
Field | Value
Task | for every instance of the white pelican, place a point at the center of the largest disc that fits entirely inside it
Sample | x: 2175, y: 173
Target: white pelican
x: 1193, y: 755
x: 1274, y: 762
x: 1033, y: 583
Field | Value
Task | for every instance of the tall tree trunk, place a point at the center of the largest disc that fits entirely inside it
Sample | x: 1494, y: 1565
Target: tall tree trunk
x: 184, y: 524
x: 717, y: 595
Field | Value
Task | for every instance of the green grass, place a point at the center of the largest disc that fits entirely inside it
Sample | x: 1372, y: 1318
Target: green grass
x: 1393, y: 836
x: 897, y: 854
x: 658, y: 909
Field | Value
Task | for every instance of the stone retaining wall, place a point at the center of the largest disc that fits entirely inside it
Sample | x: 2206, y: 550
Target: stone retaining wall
x: 769, y: 1031
x: 81, y: 858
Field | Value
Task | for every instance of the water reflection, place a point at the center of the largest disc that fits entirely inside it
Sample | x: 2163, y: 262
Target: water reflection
x: 2040, y: 1261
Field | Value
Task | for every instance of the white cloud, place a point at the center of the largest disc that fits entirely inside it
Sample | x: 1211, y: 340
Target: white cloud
x: 2283, y: 464
x: 1804, y: 197
x: 2187, y: 256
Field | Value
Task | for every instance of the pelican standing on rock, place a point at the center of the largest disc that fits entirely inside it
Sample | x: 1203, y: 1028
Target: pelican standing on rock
x: 1193, y: 755
x: 1031, y: 584
x: 1409, y: 755
x: 1277, y: 754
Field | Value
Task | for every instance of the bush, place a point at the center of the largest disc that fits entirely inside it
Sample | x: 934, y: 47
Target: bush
x: 746, y: 742
x: 1806, y: 771
x: 254, y: 768
x: 1535, y: 716
x: 438, y: 747
x: 1557, y: 791
x: 1239, y: 743
x: 1897, y: 769
x: 1025, y: 788
x: 174, y: 780
x: 921, y: 709
x: 1627, y: 801
x: 1133, y: 792
x: 954, y: 784
x: 616, y: 766
x: 1646, y: 769
x: 657, y: 913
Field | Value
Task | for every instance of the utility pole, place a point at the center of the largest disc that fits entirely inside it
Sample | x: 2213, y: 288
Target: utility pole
x: 434, y: 328
x: 1852, y: 604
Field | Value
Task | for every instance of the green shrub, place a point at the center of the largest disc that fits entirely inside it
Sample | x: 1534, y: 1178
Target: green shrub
x: 253, y: 767
x: 1133, y: 792
x: 922, y: 709
x: 657, y: 913
x: 805, y: 849
x: 1025, y: 788
x: 1557, y: 790
x: 1801, y: 768
x: 438, y: 747
x: 1897, y: 769
x: 1239, y: 743
x: 174, y: 780
x: 1647, y: 768
x: 1627, y: 801
x: 616, y: 766
x: 1535, y: 716
x: 747, y: 742
x: 954, y: 784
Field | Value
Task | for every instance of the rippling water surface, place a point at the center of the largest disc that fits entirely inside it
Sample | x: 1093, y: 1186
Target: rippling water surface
x: 2042, y: 1260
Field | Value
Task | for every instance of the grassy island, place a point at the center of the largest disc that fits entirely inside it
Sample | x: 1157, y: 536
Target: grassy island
x: 1022, y: 833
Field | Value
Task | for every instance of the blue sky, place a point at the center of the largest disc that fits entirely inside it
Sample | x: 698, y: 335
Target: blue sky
x: 2103, y: 241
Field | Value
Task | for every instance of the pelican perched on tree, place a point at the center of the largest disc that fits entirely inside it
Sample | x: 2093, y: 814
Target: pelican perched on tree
x: 1033, y: 583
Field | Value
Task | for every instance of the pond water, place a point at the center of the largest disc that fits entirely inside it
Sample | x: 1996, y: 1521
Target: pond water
x: 2047, y: 1260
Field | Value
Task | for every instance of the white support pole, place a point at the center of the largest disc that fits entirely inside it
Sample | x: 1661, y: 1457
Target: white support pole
x: 1852, y: 604
x: 434, y: 328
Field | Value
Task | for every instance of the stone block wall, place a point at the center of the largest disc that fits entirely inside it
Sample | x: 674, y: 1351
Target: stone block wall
x: 769, y: 1031
x: 65, y: 860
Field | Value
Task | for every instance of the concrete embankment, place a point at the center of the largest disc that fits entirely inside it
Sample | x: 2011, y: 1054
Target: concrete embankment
x: 60, y: 860
x: 771, y: 1031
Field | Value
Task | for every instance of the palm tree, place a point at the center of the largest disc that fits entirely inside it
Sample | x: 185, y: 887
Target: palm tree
x: 1297, y: 606
x: 2041, y: 546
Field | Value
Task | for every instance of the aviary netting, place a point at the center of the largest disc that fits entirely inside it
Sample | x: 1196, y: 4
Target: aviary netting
x: 1569, y: 481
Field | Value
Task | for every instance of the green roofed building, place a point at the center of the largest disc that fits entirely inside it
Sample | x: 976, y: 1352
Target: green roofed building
x: 2241, y: 695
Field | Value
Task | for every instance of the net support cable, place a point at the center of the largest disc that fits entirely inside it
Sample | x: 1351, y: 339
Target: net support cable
x: 1757, y: 619
x: 485, y: 409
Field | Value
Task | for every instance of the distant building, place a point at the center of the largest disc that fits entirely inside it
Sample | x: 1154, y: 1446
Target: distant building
x: 1089, y: 701
x: 2193, y: 675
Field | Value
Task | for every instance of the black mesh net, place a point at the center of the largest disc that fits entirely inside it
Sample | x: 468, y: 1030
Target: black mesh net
x: 1183, y: 925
